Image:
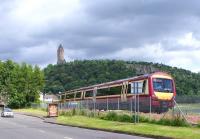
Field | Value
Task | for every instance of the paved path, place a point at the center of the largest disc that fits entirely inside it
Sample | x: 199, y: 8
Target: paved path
x: 26, y: 127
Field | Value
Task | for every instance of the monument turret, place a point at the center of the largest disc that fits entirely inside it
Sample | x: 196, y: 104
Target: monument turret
x: 60, y: 55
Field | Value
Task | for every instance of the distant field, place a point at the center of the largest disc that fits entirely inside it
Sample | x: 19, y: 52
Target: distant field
x: 192, y: 105
x: 190, y: 108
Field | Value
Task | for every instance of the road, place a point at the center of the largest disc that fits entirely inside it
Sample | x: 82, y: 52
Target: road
x: 26, y: 127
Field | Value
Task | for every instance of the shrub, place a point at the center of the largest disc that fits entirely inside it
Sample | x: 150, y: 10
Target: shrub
x: 179, y: 122
x: 83, y: 112
x: 44, y: 109
x: 91, y: 114
x: 124, y: 118
x: 65, y: 113
x: 74, y: 111
x: 112, y: 116
x: 172, y: 122
x: 164, y: 122
x: 141, y: 118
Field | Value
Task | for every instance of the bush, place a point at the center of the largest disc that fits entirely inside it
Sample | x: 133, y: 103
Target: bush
x: 83, y: 112
x: 65, y: 113
x: 74, y: 111
x: 141, y: 118
x: 164, y: 122
x: 177, y: 121
x: 124, y: 118
x: 112, y: 116
x: 91, y: 114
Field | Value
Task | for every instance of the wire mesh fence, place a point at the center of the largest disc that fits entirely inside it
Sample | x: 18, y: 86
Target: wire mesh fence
x: 141, y: 106
x: 39, y: 105
x: 106, y: 104
x: 135, y: 105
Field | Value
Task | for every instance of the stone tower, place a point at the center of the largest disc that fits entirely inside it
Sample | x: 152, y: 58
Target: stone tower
x: 60, y: 55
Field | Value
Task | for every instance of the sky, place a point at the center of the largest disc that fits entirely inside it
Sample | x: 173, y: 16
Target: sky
x: 159, y: 31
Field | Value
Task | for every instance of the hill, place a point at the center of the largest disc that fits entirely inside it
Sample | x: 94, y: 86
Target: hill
x: 88, y: 72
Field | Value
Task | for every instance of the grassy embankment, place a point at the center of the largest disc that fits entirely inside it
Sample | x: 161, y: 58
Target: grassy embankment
x: 146, y: 129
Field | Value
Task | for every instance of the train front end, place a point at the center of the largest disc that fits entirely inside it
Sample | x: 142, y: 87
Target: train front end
x: 162, y: 91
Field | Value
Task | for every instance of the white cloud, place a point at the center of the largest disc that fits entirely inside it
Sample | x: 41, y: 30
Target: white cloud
x: 31, y: 30
x: 156, y: 53
x: 189, y: 40
x: 42, y: 12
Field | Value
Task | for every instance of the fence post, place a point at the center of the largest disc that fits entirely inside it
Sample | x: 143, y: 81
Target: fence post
x: 138, y: 107
x: 94, y: 106
x: 131, y: 105
x: 80, y: 104
x: 118, y: 104
x: 107, y: 103
x: 150, y: 108
x: 87, y: 104
x: 135, y: 107
x: 173, y: 108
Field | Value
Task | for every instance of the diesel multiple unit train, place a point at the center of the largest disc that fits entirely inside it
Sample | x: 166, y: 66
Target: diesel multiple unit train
x: 153, y: 92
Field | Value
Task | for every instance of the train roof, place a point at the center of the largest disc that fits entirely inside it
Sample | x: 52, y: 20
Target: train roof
x: 116, y: 82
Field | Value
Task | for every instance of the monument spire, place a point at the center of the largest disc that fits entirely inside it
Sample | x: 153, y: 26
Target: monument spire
x: 60, y: 55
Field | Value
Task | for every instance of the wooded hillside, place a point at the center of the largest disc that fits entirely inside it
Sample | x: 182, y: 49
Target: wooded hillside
x: 88, y: 72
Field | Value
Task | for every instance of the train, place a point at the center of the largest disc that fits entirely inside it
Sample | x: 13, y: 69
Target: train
x: 153, y: 92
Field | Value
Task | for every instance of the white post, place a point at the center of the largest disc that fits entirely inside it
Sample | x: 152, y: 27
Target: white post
x: 150, y: 107
x: 138, y: 102
x: 107, y: 103
x: 135, y: 102
x: 118, y: 104
x: 131, y: 105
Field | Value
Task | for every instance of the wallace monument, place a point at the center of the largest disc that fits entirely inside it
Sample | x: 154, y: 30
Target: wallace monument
x: 60, y: 55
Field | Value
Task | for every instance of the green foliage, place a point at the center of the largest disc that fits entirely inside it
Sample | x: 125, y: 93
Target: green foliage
x: 65, y: 113
x: 172, y: 122
x: 114, y: 116
x: 125, y: 118
x: 20, y: 85
x: 121, y: 117
x: 83, y: 73
x: 88, y: 72
x: 111, y: 116
x: 73, y: 112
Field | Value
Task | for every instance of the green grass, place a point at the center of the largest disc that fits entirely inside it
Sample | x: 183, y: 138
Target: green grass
x: 141, y: 128
x: 36, y: 112
x: 88, y: 120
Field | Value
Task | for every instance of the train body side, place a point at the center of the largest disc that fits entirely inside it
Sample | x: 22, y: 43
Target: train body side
x: 160, y: 100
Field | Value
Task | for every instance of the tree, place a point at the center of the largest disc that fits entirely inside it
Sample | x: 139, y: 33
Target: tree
x: 20, y: 84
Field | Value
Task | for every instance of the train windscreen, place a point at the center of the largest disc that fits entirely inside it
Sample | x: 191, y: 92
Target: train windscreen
x: 163, y: 85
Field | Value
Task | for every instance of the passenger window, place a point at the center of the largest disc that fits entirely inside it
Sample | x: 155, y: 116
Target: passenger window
x: 138, y: 87
x: 78, y: 95
x: 69, y: 96
x: 89, y: 94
